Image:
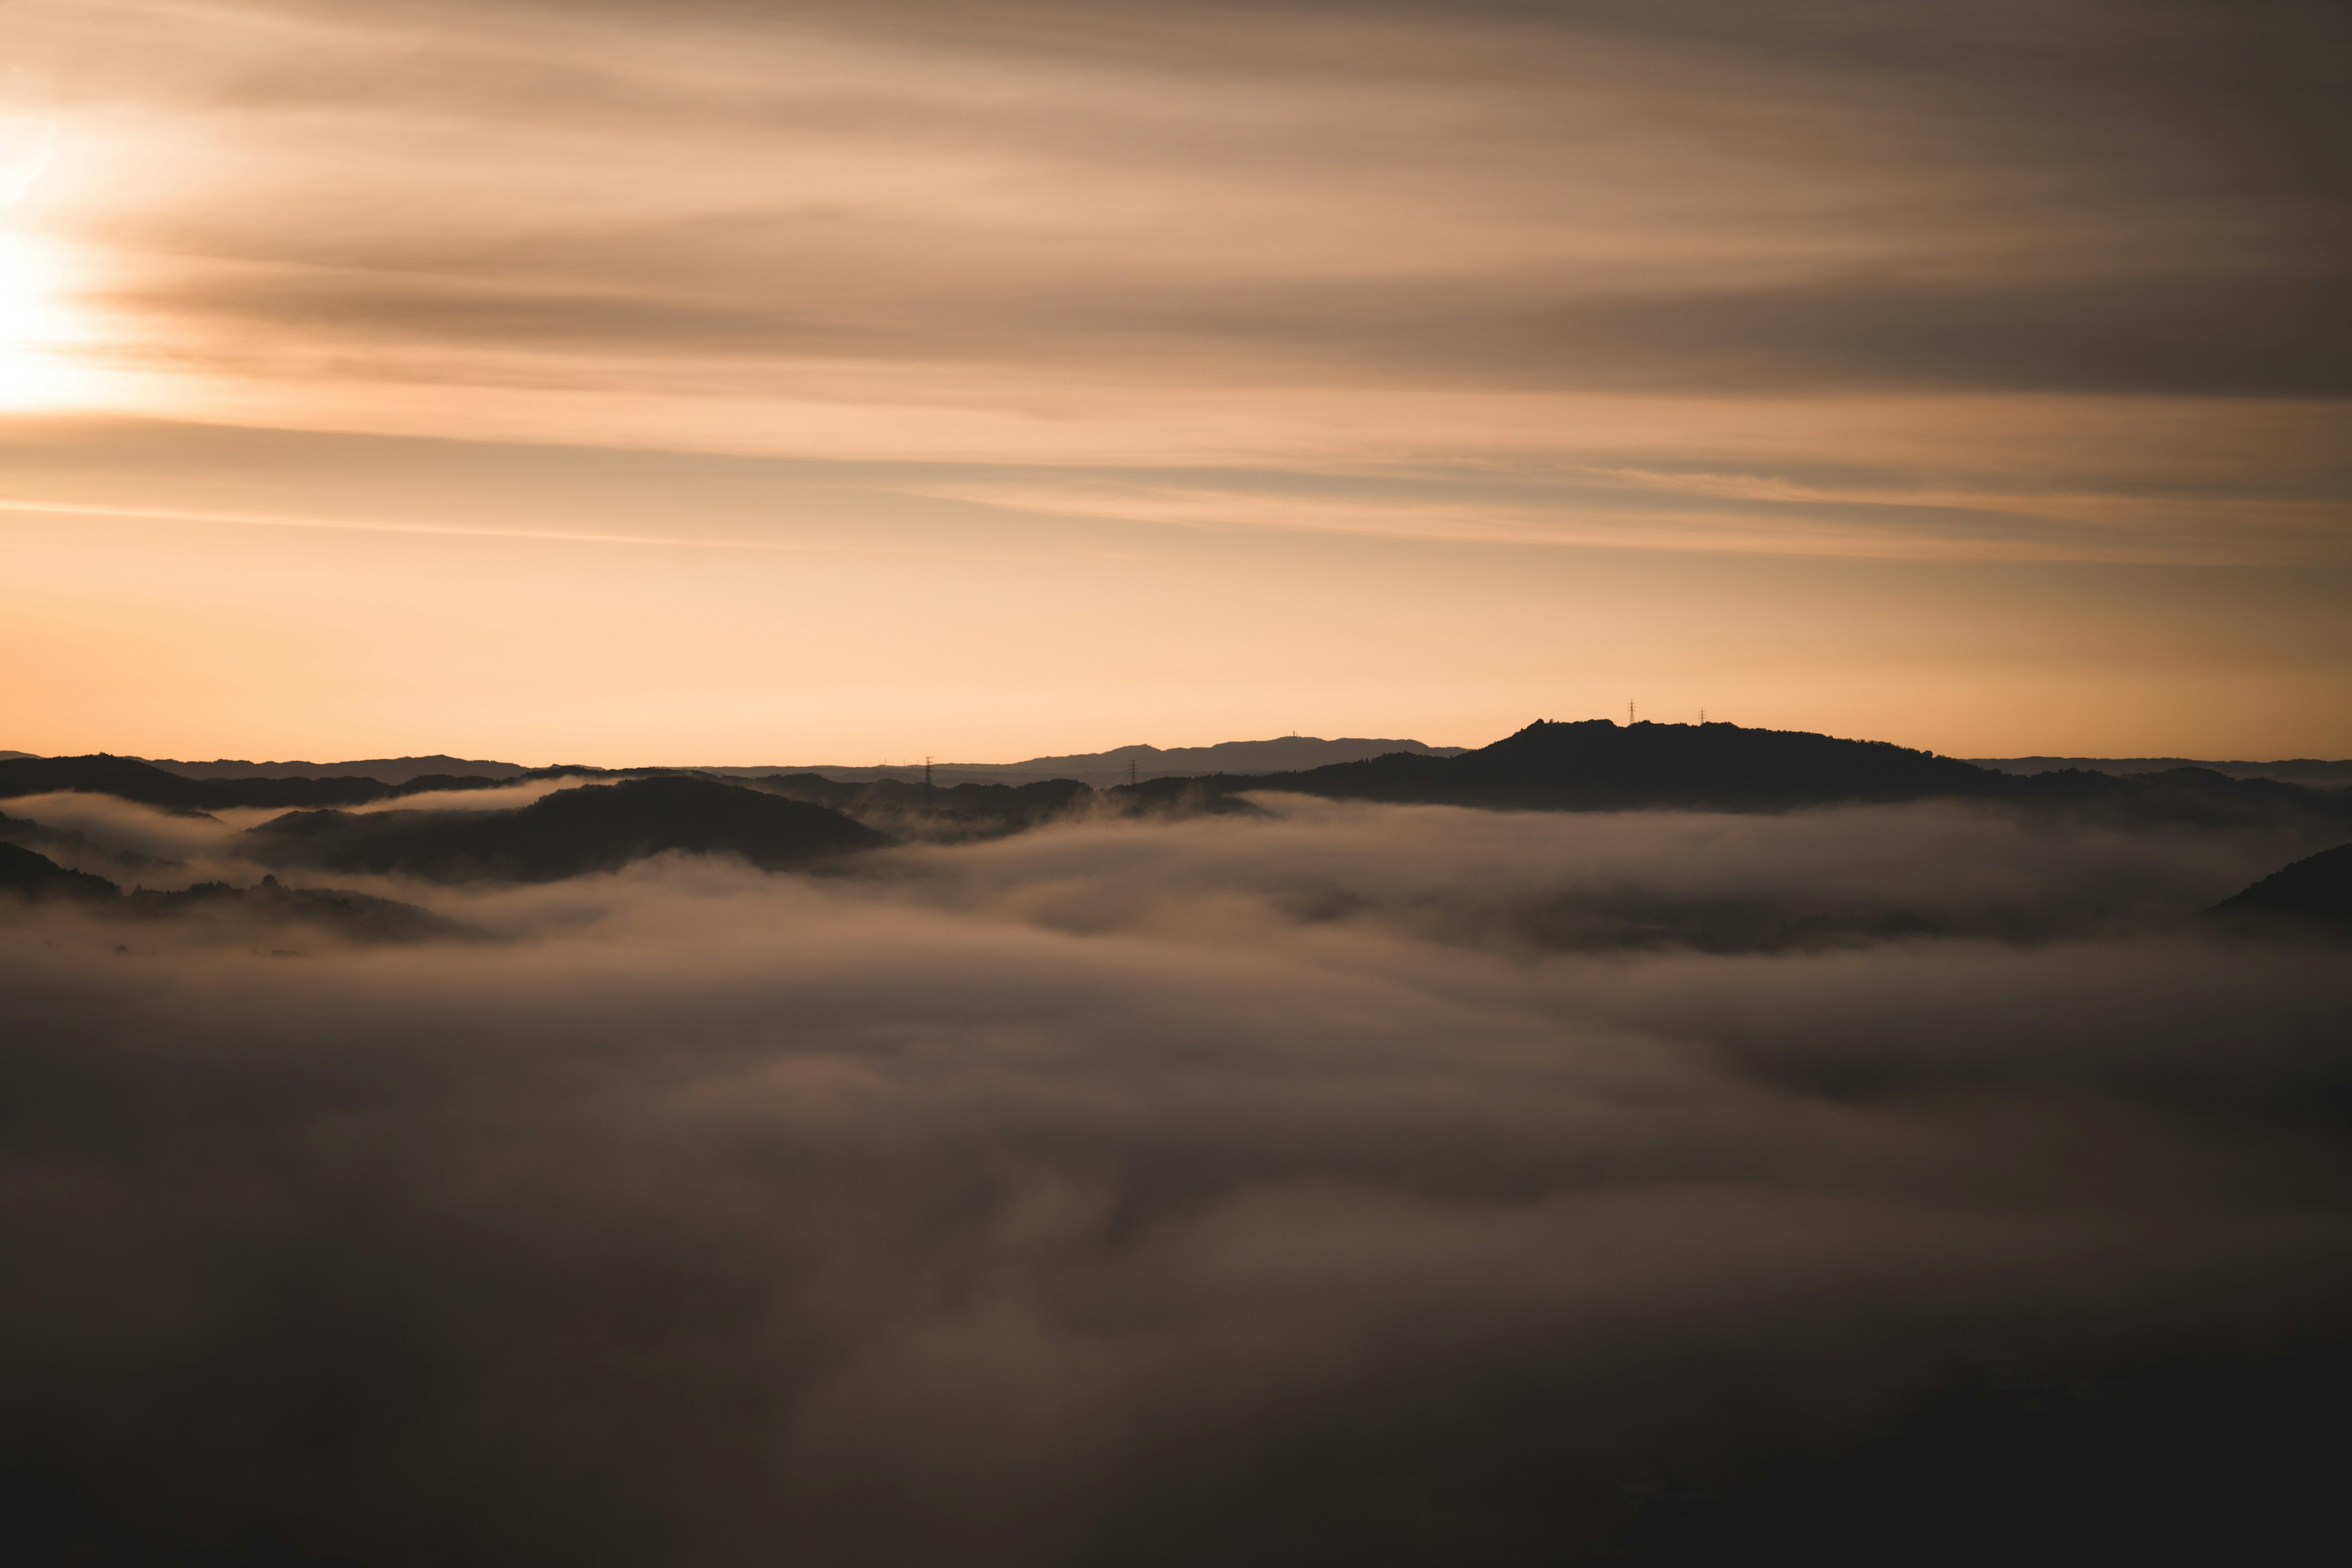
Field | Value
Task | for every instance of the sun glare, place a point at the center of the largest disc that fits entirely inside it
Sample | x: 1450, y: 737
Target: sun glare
x: 35, y: 326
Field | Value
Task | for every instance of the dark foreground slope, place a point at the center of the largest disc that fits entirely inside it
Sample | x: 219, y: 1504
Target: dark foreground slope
x: 1600, y: 765
x: 127, y: 778
x: 2315, y: 890
x: 596, y: 827
x: 31, y: 874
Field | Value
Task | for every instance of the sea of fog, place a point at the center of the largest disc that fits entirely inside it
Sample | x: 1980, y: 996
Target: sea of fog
x: 1347, y: 1183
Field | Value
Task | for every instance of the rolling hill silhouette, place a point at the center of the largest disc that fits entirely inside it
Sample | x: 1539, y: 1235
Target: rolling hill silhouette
x: 595, y: 827
x: 2319, y: 773
x: 354, y: 917
x: 942, y: 813
x: 1592, y: 765
x: 1285, y: 752
x: 1600, y: 765
x: 76, y: 851
x: 383, y: 770
x: 127, y: 778
x: 2316, y: 890
x: 1291, y: 753
x: 26, y: 871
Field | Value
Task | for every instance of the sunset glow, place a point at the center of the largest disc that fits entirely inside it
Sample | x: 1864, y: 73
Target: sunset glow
x: 1589, y: 348
x: 1175, y: 783
x: 35, y: 325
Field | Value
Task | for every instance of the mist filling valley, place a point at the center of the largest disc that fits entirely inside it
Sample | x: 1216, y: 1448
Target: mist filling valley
x: 1226, y: 1171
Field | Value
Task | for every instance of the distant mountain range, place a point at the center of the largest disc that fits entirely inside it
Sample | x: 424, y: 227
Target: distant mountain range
x: 1103, y: 769
x: 128, y: 778
x: 2294, y: 770
x: 1599, y: 765
x: 1099, y: 768
x: 1595, y: 764
x: 1287, y: 753
x: 383, y: 770
x: 785, y: 820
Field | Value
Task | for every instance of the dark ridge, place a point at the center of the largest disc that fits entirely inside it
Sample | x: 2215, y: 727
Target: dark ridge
x: 24, y: 871
x: 1116, y: 766
x: 383, y: 770
x: 2314, y: 890
x: 354, y: 917
x: 2319, y: 773
x: 77, y: 848
x: 1597, y: 764
x: 127, y: 778
x: 1600, y: 765
x: 941, y: 812
x: 2199, y: 796
x: 596, y: 827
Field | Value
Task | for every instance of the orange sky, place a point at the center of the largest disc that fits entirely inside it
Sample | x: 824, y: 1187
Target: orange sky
x: 704, y: 383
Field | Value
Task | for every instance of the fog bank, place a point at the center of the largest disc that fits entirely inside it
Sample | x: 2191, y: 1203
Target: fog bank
x: 1228, y: 1190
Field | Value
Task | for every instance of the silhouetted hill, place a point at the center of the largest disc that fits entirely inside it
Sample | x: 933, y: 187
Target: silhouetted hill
x: 2196, y: 795
x: 596, y: 827
x: 2314, y: 889
x: 353, y: 917
x: 1113, y: 766
x: 123, y: 777
x: 939, y: 813
x: 383, y: 770
x: 1598, y: 765
x: 24, y: 871
x: 127, y: 778
x: 2312, y: 771
x: 76, y: 851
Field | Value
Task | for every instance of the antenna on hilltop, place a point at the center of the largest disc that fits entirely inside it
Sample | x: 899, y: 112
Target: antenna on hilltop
x: 1629, y: 715
x: 1131, y: 772
x: 927, y: 775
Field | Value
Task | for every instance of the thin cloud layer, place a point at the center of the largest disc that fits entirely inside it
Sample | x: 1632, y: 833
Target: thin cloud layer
x: 1017, y: 232
x: 1604, y: 346
x: 1099, y: 1196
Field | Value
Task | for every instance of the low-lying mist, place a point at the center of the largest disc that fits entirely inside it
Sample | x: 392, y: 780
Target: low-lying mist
x: 1387, y: 1183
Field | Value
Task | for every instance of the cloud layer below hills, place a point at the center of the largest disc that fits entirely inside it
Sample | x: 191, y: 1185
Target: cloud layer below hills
x: 1143, y: 1193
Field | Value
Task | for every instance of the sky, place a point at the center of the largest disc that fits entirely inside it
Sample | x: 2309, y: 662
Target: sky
x: 744, y: 383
